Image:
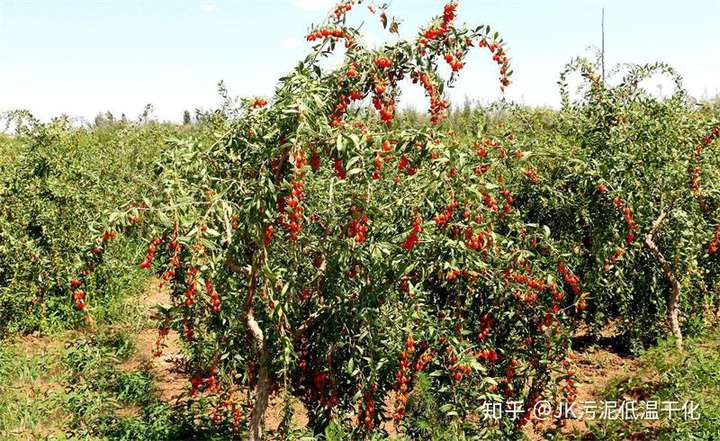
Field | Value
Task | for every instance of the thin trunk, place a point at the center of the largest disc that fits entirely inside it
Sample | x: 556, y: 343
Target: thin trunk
x: 673, y: 297
x: 262, y: 388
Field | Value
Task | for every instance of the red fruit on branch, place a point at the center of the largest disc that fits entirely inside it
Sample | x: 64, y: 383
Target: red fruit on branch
x: 383, y: 62
x: 267, y: 237
x: 339, y: 169
x: 259, y: 102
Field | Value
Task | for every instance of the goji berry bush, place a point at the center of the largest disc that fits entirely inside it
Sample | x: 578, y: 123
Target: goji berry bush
x: 322, y: 251
x: 627, y: 200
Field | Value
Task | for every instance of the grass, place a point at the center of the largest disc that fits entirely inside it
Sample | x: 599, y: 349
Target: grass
x: 31, y: 392
x: 665, y: 374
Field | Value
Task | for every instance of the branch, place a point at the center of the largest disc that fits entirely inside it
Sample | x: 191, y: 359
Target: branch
x: 237, y: 268
x: 673, y: 298
x: 652, y: 246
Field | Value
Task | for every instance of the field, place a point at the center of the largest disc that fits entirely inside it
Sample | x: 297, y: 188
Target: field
x: 322, y: 264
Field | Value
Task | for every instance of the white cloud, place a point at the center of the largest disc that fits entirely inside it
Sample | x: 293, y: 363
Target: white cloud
x: 209, y: 7
x: 312, y: 4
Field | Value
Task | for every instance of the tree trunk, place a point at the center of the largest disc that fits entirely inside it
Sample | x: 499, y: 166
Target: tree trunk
x: 673, y: 296
x: 262, y: 388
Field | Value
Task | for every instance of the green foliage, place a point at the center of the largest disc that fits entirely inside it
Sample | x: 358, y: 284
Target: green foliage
x: 53, y: 185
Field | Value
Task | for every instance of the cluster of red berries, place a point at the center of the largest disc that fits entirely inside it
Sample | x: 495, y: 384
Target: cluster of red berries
x: 508, y: 202
x: 294, y: 201
x: 145, y: 264
x: 482, y: 169
x: 190, y: 287
x: 486, y: 323
x: 694, y: 168
x: 259, y: 102
x: 173, y: 263
x: 619, y: 251
x: 209, y: 383
x: 459, y: 369
x: 438, y: 106
x: 532, y: 175
x: 78, y: 295
x: 501, y: 58
x: 490, y: 202
x: 383, y: 62
x: 403, y: 163
x: 379, y: 86
x: 339, y: 168
x: 478, y: 242
x: 358, y: 226
x: 385, y: 106
x: 715, y: 242
x: 325, y: 33
x: 569, y: 390
x: 378, y: 162
x: 215, y: 303
x: 480, y: 147
x: 268, y: 235
x: 404, y: 377
x: 629, y: 219
x: 107, y: 235
x: 321, y: 384
x: 367, y: 410
x: 535, y: 286
x: 342, y: 8
x: 296, y: 209
x: 412, y: 238
x: 455, y: 61
x: 449, y: 14
x: 574, y: 282
x: 569, y: 277
x: 339, y: 111
x: 442, y: 219
x: 489, y: 355
x: 510, y: 371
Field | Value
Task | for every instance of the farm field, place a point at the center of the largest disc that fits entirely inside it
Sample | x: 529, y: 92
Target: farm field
x: 323, y: 263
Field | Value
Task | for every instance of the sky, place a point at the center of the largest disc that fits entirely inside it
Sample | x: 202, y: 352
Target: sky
x: 82, y: 57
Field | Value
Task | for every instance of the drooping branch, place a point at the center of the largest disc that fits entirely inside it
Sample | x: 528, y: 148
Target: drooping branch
x: 673, y: 298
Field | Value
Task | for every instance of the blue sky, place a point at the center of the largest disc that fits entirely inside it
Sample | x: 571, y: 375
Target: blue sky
x: 81, y: 57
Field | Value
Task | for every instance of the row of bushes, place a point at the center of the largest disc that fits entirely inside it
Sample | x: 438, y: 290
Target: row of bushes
x: 56, y: 180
